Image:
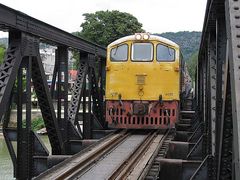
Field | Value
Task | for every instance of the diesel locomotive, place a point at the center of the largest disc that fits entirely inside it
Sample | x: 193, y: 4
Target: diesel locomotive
x: 145, y: 78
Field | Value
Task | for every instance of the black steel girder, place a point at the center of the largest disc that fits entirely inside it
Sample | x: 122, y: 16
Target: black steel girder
x: 222, y: 20
x: 12, y: 19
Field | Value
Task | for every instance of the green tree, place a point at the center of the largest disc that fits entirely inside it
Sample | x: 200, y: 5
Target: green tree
x: 192, y: 64
x: 2, y: 53
x: 104, y: 27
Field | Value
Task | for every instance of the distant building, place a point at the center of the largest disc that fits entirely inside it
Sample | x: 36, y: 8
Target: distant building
x: 72, y: 75
x: 48, y: 60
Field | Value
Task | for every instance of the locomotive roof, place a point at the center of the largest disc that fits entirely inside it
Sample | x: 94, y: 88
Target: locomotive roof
x: 151, y: 38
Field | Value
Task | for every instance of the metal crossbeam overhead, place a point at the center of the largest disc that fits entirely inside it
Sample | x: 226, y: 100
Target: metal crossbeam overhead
x: 12, y: 19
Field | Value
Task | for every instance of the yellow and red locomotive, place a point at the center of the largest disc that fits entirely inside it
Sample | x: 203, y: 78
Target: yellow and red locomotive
x: 143, y: 82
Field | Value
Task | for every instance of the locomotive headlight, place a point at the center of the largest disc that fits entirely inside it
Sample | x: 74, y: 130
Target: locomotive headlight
x: 146, y: 36
x: 138, y: 36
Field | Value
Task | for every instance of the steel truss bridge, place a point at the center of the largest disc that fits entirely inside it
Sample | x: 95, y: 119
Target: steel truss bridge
x: 205, y: 144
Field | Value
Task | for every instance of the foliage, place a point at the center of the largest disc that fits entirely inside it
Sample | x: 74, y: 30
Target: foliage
x: 2, y: 53
x: 75, y: 59
x: 192, y: 64
x: 104, y: 27
x: 37, y: 124
x: 188, y: 41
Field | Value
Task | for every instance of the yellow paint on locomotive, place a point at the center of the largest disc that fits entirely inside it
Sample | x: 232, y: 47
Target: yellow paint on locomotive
x: 143, y: 80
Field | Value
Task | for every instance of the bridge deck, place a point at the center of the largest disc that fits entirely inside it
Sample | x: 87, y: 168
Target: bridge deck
x: 104, y: 159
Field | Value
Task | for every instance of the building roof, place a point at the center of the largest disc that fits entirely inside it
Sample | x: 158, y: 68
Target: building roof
x: 73, y: 74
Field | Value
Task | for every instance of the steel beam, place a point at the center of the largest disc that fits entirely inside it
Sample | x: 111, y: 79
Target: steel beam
x: 62, y: 90
x: 221, y: 87
x: 87, y: 116
x: 78, y: 94
x: 46, y: 106
x: 212, y: 92
x: 12, y: 19
x: 22, y: 58
x: 9, y: 69
x: 233, y: 34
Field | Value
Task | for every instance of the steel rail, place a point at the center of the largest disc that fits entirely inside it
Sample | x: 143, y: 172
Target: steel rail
x: 84, y: 164
x: 161, y: 151
x: 128, y: 165
x: 11, y: 19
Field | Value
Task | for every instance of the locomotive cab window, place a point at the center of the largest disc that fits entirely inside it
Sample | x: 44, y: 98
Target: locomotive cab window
x: 142, y: 52
x: 119, y: 53
x: 165, y: 53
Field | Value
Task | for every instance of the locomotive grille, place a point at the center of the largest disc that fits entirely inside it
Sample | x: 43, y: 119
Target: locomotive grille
x: 141, y: 79
x: 127, y: 116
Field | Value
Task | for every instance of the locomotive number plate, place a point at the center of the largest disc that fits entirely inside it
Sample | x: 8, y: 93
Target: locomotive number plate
x: 141, y: 79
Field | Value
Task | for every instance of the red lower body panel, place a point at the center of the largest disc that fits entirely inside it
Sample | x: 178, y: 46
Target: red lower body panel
x: 141, y: 114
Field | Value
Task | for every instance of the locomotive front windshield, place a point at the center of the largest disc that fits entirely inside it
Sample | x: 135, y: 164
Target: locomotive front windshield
x: 120, y: 53
x: 165, y: 53
x: 142, y: 52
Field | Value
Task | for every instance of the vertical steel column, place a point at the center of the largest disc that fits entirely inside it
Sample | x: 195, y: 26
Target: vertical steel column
x: 232, y: 8
x: 226, y: 126
x: 212, y: 91
x: 62, y: 90
x: 204, y: 101
x: 220, y: 90
x: 84, y: 100
x: 102, y: 72
x: 78, y: 93
x: 25, y: 140
x: 102, y: 87
x: 20, y: 150
x: 87, y: 121
x: 97, y: 99
x: 29, y: 138
x: 200, y: 87
x: 208, y: 97
x: 204, y: 71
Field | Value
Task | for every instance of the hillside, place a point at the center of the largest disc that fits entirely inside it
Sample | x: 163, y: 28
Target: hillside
x: 188, y: 41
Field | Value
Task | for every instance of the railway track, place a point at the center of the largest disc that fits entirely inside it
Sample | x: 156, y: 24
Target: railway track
x: 120, y: 156
x: 153, y: 168
x: 127, y: 166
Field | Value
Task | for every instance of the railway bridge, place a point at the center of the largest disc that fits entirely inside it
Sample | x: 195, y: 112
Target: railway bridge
x: 204, y: 145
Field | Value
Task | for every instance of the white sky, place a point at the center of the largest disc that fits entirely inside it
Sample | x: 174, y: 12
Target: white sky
x: 157, y: 16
